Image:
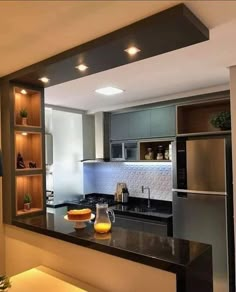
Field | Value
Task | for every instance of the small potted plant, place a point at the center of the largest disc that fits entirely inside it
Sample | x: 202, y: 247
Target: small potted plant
x: 4, y: 283
x: 27, y: 202
x: 222, y: 121
x: 24, y: 115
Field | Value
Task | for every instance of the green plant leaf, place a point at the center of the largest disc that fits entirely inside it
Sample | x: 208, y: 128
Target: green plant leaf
x: 23, y: 113
x: 222, y: 120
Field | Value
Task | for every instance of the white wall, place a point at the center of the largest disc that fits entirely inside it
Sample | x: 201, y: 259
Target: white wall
x: 233, y: 122
x: 67, y: 172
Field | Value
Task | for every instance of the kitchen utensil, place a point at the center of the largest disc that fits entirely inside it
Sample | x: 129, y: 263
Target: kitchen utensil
x: 124, y: 195
x: 118, y: 193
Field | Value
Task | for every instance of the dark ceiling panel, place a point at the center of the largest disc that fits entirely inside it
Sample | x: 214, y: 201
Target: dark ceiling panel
x: 163, y: 32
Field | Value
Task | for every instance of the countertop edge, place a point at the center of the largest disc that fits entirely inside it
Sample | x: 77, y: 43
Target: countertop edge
x: 125, y: 254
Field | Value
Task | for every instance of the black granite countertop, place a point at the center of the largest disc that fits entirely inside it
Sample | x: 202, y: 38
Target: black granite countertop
x: 166, y: 253
x: 142, y: 212
x: 136, y: 207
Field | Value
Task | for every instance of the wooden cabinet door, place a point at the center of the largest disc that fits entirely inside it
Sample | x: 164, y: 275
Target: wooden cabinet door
x: 163, y: 121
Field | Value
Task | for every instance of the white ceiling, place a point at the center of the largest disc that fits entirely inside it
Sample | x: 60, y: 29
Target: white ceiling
x: 34, y: 30
x: 30, y: 32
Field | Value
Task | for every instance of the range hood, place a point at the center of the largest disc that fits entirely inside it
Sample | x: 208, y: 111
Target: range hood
x: 98, y: 126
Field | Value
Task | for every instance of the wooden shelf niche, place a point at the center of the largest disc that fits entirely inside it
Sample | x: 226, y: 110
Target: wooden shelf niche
x: 31, y: 101
x: 165, y: 145
x: 29, y: 184
x: 195, y: 118
x: 29, y: 145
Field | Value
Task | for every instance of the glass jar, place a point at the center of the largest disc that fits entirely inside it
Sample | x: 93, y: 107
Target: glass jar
x: 149, y: 154
x: 160, y: 155
x: 167, y: 157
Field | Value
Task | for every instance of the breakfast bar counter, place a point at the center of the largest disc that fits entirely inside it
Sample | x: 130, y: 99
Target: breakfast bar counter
x: 190, y: 261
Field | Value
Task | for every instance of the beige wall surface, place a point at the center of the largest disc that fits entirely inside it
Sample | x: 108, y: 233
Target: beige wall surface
x: 2, y: 242
x: 26, y: 249
x: 233, y: 122
x: 42, y: 279
x: 2, y: 253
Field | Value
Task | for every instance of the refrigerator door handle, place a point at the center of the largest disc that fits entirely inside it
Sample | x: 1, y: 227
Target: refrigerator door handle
x: 199, y: 192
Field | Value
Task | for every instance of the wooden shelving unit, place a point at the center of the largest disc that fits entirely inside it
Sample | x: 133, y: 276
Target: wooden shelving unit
x: 155, y: 146
x: 195, y: 118
x: 33, y: 185
x: 29, y: 144
x: 31, y: 101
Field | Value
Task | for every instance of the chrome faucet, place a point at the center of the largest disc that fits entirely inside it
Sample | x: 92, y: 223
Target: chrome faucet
x: 149, y: 195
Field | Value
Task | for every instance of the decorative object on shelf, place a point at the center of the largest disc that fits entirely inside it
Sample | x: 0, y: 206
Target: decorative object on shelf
x: 149, y: 155
x: 24, y: 115
x: 20, y: 161
x: 4, y: 283
x: 166, y: 155
x: 222, y: 120
x: 27, y: 202
x: 32, y: 164
x: 160, y: 155
x: 170, y: 152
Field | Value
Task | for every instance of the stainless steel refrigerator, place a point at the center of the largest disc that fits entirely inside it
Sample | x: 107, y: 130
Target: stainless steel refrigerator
x: 203, y: 200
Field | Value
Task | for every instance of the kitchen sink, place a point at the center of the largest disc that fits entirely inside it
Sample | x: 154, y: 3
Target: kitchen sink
x: 142, y: 209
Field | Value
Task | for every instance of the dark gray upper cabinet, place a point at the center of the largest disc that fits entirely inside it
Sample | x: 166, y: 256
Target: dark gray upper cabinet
x: 139, y: 124
x: 119, y: 126
x: 163, y: 121
x: 156, y: 122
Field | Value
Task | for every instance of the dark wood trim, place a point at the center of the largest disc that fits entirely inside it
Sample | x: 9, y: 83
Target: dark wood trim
x: 182, y: 28
x: 230, y: 214
x: 8, y: 150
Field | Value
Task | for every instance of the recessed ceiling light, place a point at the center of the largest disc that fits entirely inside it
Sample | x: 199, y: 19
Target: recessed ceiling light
x: 81, y: 67
x: 44, y: 79
x: 23, y: 91
x: 109, y: 90
x: 132, y: 50
x: 24, y: 134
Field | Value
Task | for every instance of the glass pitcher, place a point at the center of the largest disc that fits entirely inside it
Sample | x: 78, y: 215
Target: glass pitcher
x: 102, y: 223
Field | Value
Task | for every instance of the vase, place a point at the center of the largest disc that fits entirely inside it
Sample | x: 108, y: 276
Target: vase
x: 225, y: 128
x: 24, y: 121
x: 26, y: 207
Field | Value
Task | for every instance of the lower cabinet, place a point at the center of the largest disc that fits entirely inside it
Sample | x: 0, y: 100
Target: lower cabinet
x: 136, y: 224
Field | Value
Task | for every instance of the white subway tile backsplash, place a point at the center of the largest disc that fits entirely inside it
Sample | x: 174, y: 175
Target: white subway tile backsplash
x: 103, y: 177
